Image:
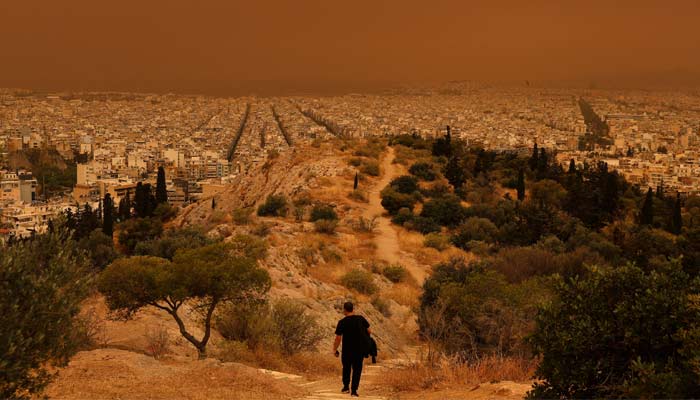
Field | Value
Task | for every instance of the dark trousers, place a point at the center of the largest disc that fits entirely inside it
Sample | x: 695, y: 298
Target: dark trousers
x: 352, y: 364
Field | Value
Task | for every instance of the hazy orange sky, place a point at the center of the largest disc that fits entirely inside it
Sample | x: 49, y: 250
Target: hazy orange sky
x: 216, y: 46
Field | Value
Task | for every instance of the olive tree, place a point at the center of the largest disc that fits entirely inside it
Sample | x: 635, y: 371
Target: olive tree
x: 42, y: 284
x: 204, y: 278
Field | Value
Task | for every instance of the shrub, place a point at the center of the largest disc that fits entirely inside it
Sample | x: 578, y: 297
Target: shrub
x: 382, y: 306
x: 171, y: 241
x: 100, y: 248
x: 43, y: 282
x: 423, y: 225
x: 367, y: 225
x: 359, y: 280
x: 446, y: 210
x: 402, y: 216
x: 395, y: 273
x: 393, y: 201
x: 157, y: 342
x: 262, y: 229
x: 355, y: 161
x: 436, y: 241
x: 630, y: 334
x: 370, y: 168
x: 423, y: 170
x: 274, y: 206
x: 247, y: 322
x: 405, y: 184
x: 323, y: 211
x: 474, y: 229
x: 137, y: 230
x: 326, y: 226
x: 296, y: 329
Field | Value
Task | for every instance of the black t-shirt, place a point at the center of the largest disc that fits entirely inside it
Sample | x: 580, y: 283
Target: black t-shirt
x: 353, y: 329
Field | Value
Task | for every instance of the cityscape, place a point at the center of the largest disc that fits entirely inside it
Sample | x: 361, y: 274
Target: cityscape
x: 107, y: 142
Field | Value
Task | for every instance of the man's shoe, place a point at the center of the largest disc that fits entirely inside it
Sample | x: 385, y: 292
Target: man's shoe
x: 345, y: 389
x: 354, y: 394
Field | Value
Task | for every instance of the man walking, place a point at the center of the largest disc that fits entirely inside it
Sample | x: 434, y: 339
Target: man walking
x: 354, y: 332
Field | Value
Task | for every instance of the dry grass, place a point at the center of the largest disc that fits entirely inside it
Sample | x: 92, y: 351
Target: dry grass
x: 450, y: 373
x: 310, y: 365
x: 404, y: 293
x: 118, y: 374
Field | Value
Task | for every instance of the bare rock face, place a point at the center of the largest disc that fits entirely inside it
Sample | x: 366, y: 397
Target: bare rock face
x: 290, y: 173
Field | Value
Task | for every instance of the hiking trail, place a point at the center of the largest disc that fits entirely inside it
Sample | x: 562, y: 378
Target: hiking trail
x: 329, y: 388
x: 386, y: 237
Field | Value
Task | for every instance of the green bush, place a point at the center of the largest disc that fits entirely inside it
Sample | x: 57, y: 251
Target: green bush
x: 274, y: 206
x: 360, y: 280
x: 323, y: 211
x: 395, y: 273
x: 296, y: 329
x: 42, y: 284
x: 423, y: 170
x: 171, y: 241
x: 405, y: 184
x: 474, y: 229
x: 620, y: 333
x: 393, y: 201
x: 137, y: 230
x: 436, y: 241
x: 446, y: 210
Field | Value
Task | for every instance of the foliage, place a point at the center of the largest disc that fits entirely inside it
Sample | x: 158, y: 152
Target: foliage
x: 360, y: 280
x: 323, y: 211
x: 172, y: 241
x: 100, y: 249
x: 405, y: 184
x: 471, y: 310
x: 437, y: 241
x: 138, y: 230
x: 445, y: 210
x: 423, y: 171
x: 274, y: 206
x: 370, y: 167
x: 207, y: 276
x: 395, y: 273
x: 393, y: 201
x: 161, y: 189
x: 296, y: 329
x: 474, y: 229
x: 42, y: 283
x: 628, y: 333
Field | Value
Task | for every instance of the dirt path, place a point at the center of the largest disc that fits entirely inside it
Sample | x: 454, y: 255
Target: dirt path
x: 386, y: 238
x: 329, y: 389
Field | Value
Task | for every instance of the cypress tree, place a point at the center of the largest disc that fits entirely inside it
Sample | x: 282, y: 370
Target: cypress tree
x: 161, y: 189
x: 108, y: 216
x: 543, y: 161
x: 677, y: 220
x: 660, y: 191
x: 454, y: 172
x: 125, y: 207
x: 521, y: 185
x: 534, y: 159
x: 572, y: 166
x: 140, y: 199
x: 356, y: 183
x: 647, y: 215
x: 213, y: 203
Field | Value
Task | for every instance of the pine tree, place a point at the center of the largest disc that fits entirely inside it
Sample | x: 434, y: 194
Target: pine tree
x: 357, y: 182
x: 572, y: 166
x: 454, y: 172
x: 677, y: 220
x: 646, y: 216
x: 534, y: 159
x: 521, y: 185
x: 108, y: 215
x: 161, y: 189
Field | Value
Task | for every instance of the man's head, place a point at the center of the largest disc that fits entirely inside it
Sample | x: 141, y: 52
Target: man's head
x: 348, y: 308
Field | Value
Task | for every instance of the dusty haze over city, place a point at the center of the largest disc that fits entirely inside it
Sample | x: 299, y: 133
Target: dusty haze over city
x: 275, y: 47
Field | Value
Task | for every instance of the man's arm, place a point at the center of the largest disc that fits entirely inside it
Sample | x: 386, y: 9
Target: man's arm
x: 336, y: 343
